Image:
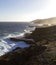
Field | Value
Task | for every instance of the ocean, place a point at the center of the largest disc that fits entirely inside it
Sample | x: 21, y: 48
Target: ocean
x: 12, y: 28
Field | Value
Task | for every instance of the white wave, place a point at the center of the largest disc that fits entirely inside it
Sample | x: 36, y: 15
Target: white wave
x: 6, y: 45
x: 13, y: 35
x: 27, y: 31
x: 5, y: 48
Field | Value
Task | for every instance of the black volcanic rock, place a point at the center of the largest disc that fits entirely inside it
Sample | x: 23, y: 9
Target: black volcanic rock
x: 47, y: 33
x: 28, y: 41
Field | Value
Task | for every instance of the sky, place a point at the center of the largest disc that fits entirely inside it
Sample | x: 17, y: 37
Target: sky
x: 26, y: 10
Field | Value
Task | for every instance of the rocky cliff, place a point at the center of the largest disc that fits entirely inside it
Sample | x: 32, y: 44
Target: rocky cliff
x: 45, y: 21
x: 47, y: 33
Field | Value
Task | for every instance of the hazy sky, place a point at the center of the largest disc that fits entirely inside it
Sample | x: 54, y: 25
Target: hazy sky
x: 26, y: 10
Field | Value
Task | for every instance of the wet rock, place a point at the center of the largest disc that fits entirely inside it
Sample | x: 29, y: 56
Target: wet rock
x: 29, y: 41
x: 21, y: 56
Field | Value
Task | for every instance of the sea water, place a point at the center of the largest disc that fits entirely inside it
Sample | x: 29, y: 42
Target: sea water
x: 11, y: 29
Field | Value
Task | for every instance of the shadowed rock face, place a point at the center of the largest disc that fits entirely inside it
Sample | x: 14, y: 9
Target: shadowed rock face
x: 47, y: 33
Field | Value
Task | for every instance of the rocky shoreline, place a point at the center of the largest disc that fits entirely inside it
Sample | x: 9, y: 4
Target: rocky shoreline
x: 21, y: 56
x: 42, y: 52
